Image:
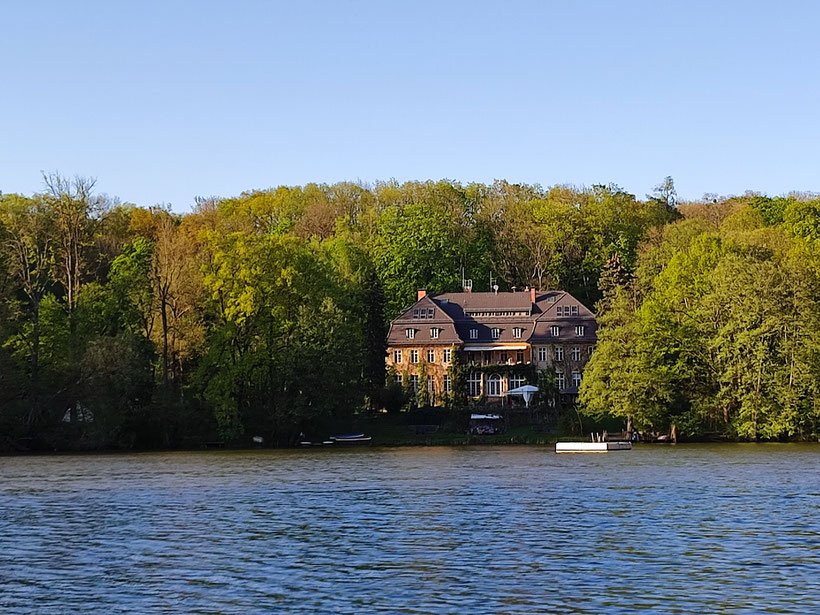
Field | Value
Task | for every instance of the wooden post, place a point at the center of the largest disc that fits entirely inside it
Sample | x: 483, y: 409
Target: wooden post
x: 674, y: 433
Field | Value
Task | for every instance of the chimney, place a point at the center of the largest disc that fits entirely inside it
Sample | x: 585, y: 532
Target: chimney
x: 421, y: 294
x: 532, y: 294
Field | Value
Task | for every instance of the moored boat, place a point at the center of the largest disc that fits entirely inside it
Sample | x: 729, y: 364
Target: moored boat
x: 591, y: 447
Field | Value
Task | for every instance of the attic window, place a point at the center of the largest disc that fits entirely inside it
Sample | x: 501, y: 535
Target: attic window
x: 496, y: 333
x: 415, y: 313
x: 434, y: 333
x: 430, y: 312
x: 473, y: 334
x: 555, y: 331
x: 410, y: 333
x: 517, y: 331
x: 559, y: 311
x: 574, y: 309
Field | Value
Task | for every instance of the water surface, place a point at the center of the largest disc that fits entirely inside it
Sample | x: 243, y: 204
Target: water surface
x: 675, y: 529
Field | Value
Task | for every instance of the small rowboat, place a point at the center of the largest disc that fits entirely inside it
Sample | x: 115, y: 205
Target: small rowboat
x: 357, y: 438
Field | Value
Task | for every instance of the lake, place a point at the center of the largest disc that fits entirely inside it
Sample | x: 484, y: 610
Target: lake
x: 730, y: 528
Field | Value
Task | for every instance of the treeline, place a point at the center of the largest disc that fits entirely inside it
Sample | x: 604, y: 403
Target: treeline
x: 265, y: 314
x: 716, y: 328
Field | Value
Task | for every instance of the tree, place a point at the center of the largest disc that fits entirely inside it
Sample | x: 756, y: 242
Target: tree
x: 27, y: 231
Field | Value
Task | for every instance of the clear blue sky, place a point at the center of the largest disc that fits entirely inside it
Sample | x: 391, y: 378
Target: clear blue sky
x: 163, y: 101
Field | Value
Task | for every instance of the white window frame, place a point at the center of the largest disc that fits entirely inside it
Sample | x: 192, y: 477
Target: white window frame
x: 542, y: 353
x: 576, y: 379
x: 473, y: 334
x: 448, y: 384
x: 431, y: 356
x: 576, y: 353
x: 431, y: 384
x: 579, y: 330
x: 574, y: 310
x: 434, y: 333
x: 518, y: 332
x: 555, y: 331
x: 414, y: 356
x: 474, y: 384
x: 397, y: 356
x: 495, y: 333
x: 414, y: 382
x: 517, y: 380
x: 559, y: 354
x: 560, y: 380
x: 447, y: 355
x: 410, y: 333
x: 398, y: 379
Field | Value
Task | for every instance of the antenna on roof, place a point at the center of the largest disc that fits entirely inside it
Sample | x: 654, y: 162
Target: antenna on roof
x: 493, y: 285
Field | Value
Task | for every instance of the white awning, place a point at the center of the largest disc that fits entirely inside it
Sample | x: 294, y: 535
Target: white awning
x: 491, y: 347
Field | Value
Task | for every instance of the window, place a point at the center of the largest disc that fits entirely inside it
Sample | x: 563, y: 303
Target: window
x: 474, y: 384
x: 559, y: 353
x: 430, y: 312
x: 398, y: 379
x: 496, y: 333
x: 431, y: 385
x: 576, y: 354
x: 448, y: 385
x: 414, y: 356
x: 517, y: 331
x: 415, y: 313
x: 560, y: 381
x: 473, y: 334
x: 579, y: 330
x: 519, y: 356
x: 431, y: 356
x: 559, y: 311
x: 589, y: 350
x: 576, y: 379
x: 414, y: 382
x: 503, y: 358
x: 397, y: 356
x: 434, y: 333
x: 574, y: 309
x: 516, y: 381
x: 447, y: 355
x: 555, y: 330
x: 494, y: 386
x: 542, y: 353
x: 410, y: 333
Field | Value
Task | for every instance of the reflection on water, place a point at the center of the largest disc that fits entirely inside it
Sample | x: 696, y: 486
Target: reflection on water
x: 686, y: 529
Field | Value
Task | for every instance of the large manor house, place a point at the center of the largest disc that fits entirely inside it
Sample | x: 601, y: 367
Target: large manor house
x: 550, y: 330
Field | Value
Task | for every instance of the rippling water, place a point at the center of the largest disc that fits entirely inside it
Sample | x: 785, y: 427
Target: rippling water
x: 685, y: 529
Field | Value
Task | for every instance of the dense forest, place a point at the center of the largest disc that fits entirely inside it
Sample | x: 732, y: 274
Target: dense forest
x: 265, y: 314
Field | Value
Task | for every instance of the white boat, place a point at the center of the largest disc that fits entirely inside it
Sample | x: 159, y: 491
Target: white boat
x: 591, y: 447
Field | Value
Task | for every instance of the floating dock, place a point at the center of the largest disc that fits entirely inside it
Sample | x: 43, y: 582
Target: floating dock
x: 591, y: 447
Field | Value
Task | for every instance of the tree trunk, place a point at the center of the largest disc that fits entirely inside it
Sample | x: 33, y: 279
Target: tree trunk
x: 35, y: 363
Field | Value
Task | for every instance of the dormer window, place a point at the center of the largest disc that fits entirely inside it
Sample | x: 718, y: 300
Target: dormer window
x: 410, y: 333
x: 555, y: 330
x: 496, y: 333
x: 579, y: 330
x: 517, y: 331
x: 434, y: 333
x: 473, y: 334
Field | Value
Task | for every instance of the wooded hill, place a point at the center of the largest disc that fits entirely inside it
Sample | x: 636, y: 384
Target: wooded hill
x: 265, y: 314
